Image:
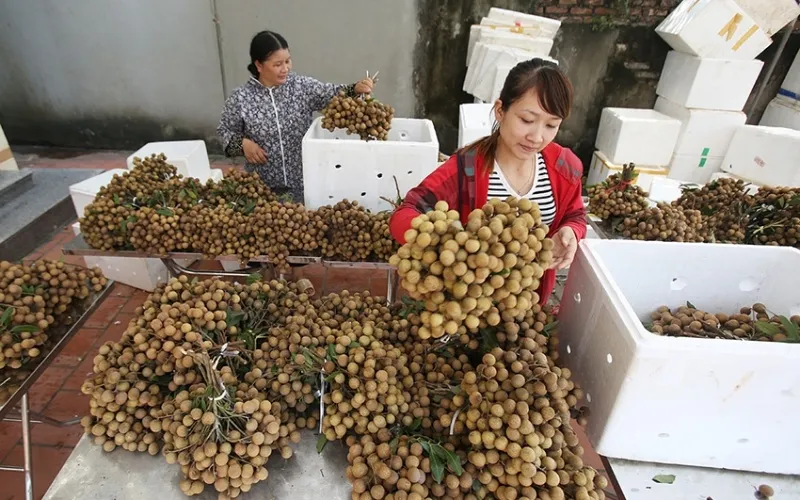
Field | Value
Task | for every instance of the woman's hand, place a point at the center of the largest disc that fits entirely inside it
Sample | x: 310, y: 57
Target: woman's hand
x: 365, y: 86
x: 253, y: 152
x: 564, y: 248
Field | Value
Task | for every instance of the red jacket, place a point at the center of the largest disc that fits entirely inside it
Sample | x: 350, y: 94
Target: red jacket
x: 470, y: 190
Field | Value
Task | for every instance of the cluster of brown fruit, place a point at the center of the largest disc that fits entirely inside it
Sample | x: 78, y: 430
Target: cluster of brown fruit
x: 482, y: 274
x: 720, y: 211
x: 152, y: 209
x: 35, y: 298
x: 217, y: 376
x: 750, y: 323
x: 361, y: 115
x: 662, y: 223
x: 617, y: 196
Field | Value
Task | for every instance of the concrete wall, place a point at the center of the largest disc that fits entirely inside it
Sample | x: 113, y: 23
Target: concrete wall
x: 99, y: 73
x: 106, y: 74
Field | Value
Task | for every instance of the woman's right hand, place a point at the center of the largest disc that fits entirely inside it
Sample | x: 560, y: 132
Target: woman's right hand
x: 253, y: 152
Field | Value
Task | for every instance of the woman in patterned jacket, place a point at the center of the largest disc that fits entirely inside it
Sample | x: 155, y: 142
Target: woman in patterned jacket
x: 265, y: 119
x: 518, y: 159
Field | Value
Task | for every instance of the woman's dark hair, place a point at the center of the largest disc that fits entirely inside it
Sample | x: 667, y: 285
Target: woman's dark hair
x: 551, y: 86
x: 262, y: 46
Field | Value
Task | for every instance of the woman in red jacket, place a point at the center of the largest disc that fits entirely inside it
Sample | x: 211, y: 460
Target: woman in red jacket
x: 518, y: 159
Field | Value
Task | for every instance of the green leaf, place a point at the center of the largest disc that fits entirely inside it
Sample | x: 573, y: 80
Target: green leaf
x: 426, y: 446
x: 6, y: 317
x: 767, y: 328
x: 116, y: 199
x: 332, y: 352
x: 321, y: 442
x: 549, y: 327
x: 489, y: 340
x: 25, y: 329
x: 664, y: 479
x: 393, y: 444
x: 234, y: 318
x: 249, y: 207
x: 690, y: 305
x: 28, y: 289
x: 454, y: 463
x: 354, y: 345
x: 792, y: 331
x: 254, y: 278
x: 437, y: 468
x: 332, y: 376
x: 166, y: 212
x: 415, y: 425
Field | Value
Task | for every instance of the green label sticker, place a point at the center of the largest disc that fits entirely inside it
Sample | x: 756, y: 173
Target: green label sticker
x: 705, y: 151
x: 702, y: 162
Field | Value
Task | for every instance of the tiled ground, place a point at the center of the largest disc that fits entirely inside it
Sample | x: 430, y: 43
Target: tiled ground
x: 57, y: 393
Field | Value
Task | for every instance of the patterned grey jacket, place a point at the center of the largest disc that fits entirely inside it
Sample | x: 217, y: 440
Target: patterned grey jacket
x: 275, y: 118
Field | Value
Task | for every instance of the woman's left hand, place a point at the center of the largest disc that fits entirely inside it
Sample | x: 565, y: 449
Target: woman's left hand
x: 365, y: 86
x: 564, y: 248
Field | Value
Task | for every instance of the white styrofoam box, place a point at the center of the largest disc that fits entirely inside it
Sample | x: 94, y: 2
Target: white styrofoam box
x: 782, y: 112
x: 477, y: 101
x: 791, y: 82
x: 337, y: 165
x: 703, y: 132
x: 705, y: 83
x: 771, y: 15
x: 665, y: 190
x: 766, y: 155
x: 750, y: 187
x: 694, y: 168
x: 540, y: 26
x: 501, y: 72
x: 144, y: 274
x: 508, y: 38
x: 480, y: 76
x: 216, y: 175
x: 682, y: 400
x: 84, y: 192
x: 7, y: 161
x: 474, y: 121
x: 601, y: 169
x: 713, y: 28
x: 631, y: 135
x: 188, y: 157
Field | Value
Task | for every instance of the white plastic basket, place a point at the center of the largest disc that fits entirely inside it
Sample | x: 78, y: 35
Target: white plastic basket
x: 701, y: 402
x: 338, y: 166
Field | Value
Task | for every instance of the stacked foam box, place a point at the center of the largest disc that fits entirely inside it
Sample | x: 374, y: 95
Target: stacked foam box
x: 765, y: 155
x: 501, y: 40
x: 708, y: 77
x: 474, y: 122
x: 190, y: 158
x: 7, y: 161
x: 784, y: 109
x: 643, y: 137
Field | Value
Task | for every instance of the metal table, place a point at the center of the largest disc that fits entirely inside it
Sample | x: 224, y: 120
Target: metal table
x: 91, y: 474
x: 79, y: 247
x: 14, y: 384
x: 634, y: 481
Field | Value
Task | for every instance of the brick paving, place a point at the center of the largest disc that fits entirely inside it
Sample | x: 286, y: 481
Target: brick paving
x: 57, y: 392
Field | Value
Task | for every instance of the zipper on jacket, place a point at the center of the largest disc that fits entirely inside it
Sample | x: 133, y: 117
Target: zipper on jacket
x: 280, y: 135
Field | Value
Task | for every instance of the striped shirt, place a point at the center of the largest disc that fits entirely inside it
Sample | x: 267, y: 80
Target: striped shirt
x: 541, y: 191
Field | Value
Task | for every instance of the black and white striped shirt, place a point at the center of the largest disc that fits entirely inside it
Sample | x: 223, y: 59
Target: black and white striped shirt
x: 541, y: 192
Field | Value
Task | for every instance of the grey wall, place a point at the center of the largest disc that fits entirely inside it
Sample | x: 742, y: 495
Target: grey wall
x: 119, y: 74
x: 102, y: 73
x: 335, y: 41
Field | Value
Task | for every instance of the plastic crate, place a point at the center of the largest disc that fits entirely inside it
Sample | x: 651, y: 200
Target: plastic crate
x: 700, y: 402
x: 189, y: 157
x: 474, y: 122
x: 713, y: 28
x: 696, y: 82
x: 84, y: 192
x: 766, y: 155
x: 338, y: 166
